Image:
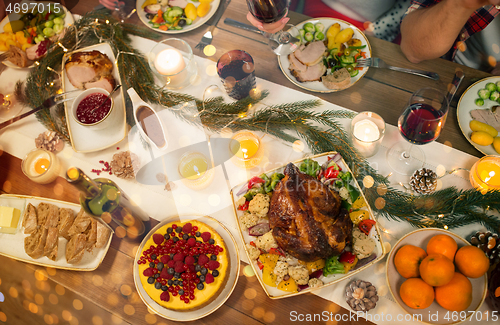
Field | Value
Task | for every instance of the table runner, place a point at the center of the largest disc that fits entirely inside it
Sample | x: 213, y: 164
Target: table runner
x: 215, y: 200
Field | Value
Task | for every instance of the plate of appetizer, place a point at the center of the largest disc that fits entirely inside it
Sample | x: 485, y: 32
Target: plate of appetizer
x: 478, y: 116
x: 326, y: 60
x: 186, y: 268
x: 443, y: 287
x: 90, y: 68
x: 291, y: 251
x: 29, y: 33
x: 175, y: 16
x: 52, y: 233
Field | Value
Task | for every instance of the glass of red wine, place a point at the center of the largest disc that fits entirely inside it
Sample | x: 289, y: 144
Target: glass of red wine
x: 420, y: 122
x: 272, y: 11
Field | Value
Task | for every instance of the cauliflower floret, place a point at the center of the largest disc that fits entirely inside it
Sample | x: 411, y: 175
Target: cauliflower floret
x: 280, y: 270
x: 240, y: 201
x: 248, y: 220
x: 266, y: 241
x: 363, y: 245
x: 299, y: 273
x: 344, y: 194
x: 253, y: 252
x: 314, y: 283
x: 259, y: 205
x: 289, y: 259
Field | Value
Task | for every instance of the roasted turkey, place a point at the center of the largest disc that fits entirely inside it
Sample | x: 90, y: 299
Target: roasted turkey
x: 90, y: 67
x: 306, y: 218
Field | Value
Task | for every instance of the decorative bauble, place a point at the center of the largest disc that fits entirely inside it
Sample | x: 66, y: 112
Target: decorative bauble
x: 423, y: 181
x: 125, y: 164
x: 50, y: 141
x: 489, y: 243
x: 361, y: 295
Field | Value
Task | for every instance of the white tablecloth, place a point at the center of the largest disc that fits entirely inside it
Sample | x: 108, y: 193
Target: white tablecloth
x: 18, y: 139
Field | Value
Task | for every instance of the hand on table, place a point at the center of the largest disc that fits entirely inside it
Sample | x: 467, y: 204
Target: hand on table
x: 269, y: 28
x: 112, y: 4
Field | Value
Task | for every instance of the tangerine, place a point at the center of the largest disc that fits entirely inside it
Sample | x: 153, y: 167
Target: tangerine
x: 437, y: 270
x: 442, y: 244
x: 407, y: 261
x: 456, y: 295
x: 416, y: 294
x: 471, y: 261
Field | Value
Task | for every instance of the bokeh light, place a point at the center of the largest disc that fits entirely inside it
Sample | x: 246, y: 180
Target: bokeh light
x: 125, y: 290
x: 380, y: 203
x: 7, y: 186
x: 96, y: 320
x: 2, y: 297
x: 77, y: 304
x: 129, y: 310
x: 112, y: 299
x: 39, y: 299
x: 33, y: 308
x: 150, y: 318
x: 51, y: 271
x: 214, y: 200
x: 13, y: 292
x: 116, y: 278
x: 248, y: 304
x: 269, y: 317
x: 66, y: 315
x: 368, y: 181
x: 250, y: 293
x: 53, y: 299
x: 258, y: 312
x: 248, y: 271
x: 97, y: 280
x: 116, y: 319
x: 356, y: 97
x: 3, y: 317
x: 211, y: 70
x: 60, y: 289
x: 58, y: 189
x: 209, y: 50
x: 48, y: 319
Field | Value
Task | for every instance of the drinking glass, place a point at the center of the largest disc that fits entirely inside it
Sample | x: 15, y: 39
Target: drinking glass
x: 271, y: 11
x: 237, y: 72
x: 421, y: 122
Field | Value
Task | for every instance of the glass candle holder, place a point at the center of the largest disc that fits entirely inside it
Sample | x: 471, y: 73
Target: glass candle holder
x: 41, y: 166
x: 246, y: 149
x: 195, y: 170
x: 172, y: 61
x: 485, y: 174
x: 237, y: 72
x: 367, y: 132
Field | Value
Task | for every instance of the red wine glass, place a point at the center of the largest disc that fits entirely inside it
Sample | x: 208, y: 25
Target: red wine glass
x: 420, y: 122
x: 271, y: 11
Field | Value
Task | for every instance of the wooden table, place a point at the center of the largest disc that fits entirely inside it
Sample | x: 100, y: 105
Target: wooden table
x: 38, y: 295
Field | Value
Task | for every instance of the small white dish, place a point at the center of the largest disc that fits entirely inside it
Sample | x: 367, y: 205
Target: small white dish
x: 158, y: 138
x: 105, y: 121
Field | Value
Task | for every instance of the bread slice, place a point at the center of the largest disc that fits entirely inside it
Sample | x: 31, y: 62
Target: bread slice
x: 66, y: 219
x: 339, y: 79
x: 30, y: 223
x: 75, y: 248
x: 91, y: 235
x: 81, y: 223
x: 34, y: 244
x: 52, y: 243
x: 103, y: 233
x: 48, y: 215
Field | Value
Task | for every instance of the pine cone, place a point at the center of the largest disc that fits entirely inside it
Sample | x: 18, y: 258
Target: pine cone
x: 361, y: 295
x: 489, y: 243
x: 423, y: 181
x: 50, y: 141
x: 124, y: 164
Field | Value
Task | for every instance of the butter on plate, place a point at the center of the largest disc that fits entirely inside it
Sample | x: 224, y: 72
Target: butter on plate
x: 9, y: 219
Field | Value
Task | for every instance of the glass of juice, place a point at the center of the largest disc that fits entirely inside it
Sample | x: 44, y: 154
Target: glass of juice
x: 485, y: 174
x: 246, y: 149
x: 237, y: 72
x: 195, y: 170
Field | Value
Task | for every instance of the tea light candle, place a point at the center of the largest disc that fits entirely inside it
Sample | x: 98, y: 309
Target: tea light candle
x: 195, y: 171
x: 245, y: 146
x: 367, y: 131
x: 485, y: 174
x: 169, y: 62
x: 41, y: 166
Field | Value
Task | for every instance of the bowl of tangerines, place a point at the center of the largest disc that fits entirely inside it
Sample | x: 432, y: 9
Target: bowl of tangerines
x: 437, y: 276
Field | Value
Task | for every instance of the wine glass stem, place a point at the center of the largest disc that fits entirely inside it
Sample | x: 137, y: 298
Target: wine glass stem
x: 407, y: 154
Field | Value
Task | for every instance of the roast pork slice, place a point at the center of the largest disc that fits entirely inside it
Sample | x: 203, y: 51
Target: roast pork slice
x: 313, y: 73
x: 105, y: 82
x: 311, y: 54
x: 83, y: 67
x: 296, y: 64
x: 490, y: 116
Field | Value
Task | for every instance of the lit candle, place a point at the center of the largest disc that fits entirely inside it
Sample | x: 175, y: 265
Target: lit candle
x: 41, y: 166
x: 169, y: 62
x: 245, y: 147
x: 367, y: 131
x: 194, y: 169
x: 485, y: 174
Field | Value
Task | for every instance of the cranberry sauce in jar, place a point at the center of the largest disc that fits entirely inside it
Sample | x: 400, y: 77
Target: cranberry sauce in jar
x: 84, y: 112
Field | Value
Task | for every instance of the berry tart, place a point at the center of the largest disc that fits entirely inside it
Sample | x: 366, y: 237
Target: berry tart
x: 184, y: 265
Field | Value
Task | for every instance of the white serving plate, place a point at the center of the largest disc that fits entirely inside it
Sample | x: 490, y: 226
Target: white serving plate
x: 466, y: 104
x: 317, y: 86
x: 84, y: 139
x: 199, y: 21
x: 275, y: 293
x: 420, y: 238
x: 68, y: 20
x: 233, y: 275
x: 12, y: 245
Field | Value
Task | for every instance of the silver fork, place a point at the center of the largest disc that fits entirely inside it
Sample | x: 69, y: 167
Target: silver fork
x: 208, y: 36
x: 379, y: 63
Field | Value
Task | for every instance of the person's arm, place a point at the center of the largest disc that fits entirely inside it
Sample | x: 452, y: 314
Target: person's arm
x: 429, y: 33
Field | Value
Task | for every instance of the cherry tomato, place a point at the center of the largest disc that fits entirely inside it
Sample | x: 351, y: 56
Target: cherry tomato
x: 244, y: 206
x: 332, y: 172
x: 366, y: 225
x: 255, y: 180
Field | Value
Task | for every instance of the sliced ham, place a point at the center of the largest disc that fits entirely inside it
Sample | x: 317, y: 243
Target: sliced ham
x: 310, y: 54
x: 490, y: 116
x: 313, y: 73
x: 105, y: 82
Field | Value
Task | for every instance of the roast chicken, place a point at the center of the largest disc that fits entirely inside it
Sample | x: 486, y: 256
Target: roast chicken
x: 90, y: 69
x: 306, y: 218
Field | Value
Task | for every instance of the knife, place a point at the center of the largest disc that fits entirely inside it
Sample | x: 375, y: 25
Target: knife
x: 235, y: 23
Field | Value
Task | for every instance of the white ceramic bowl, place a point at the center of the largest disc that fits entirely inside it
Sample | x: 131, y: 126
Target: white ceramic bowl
x: 104, y: 122
x: 434, y: 314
